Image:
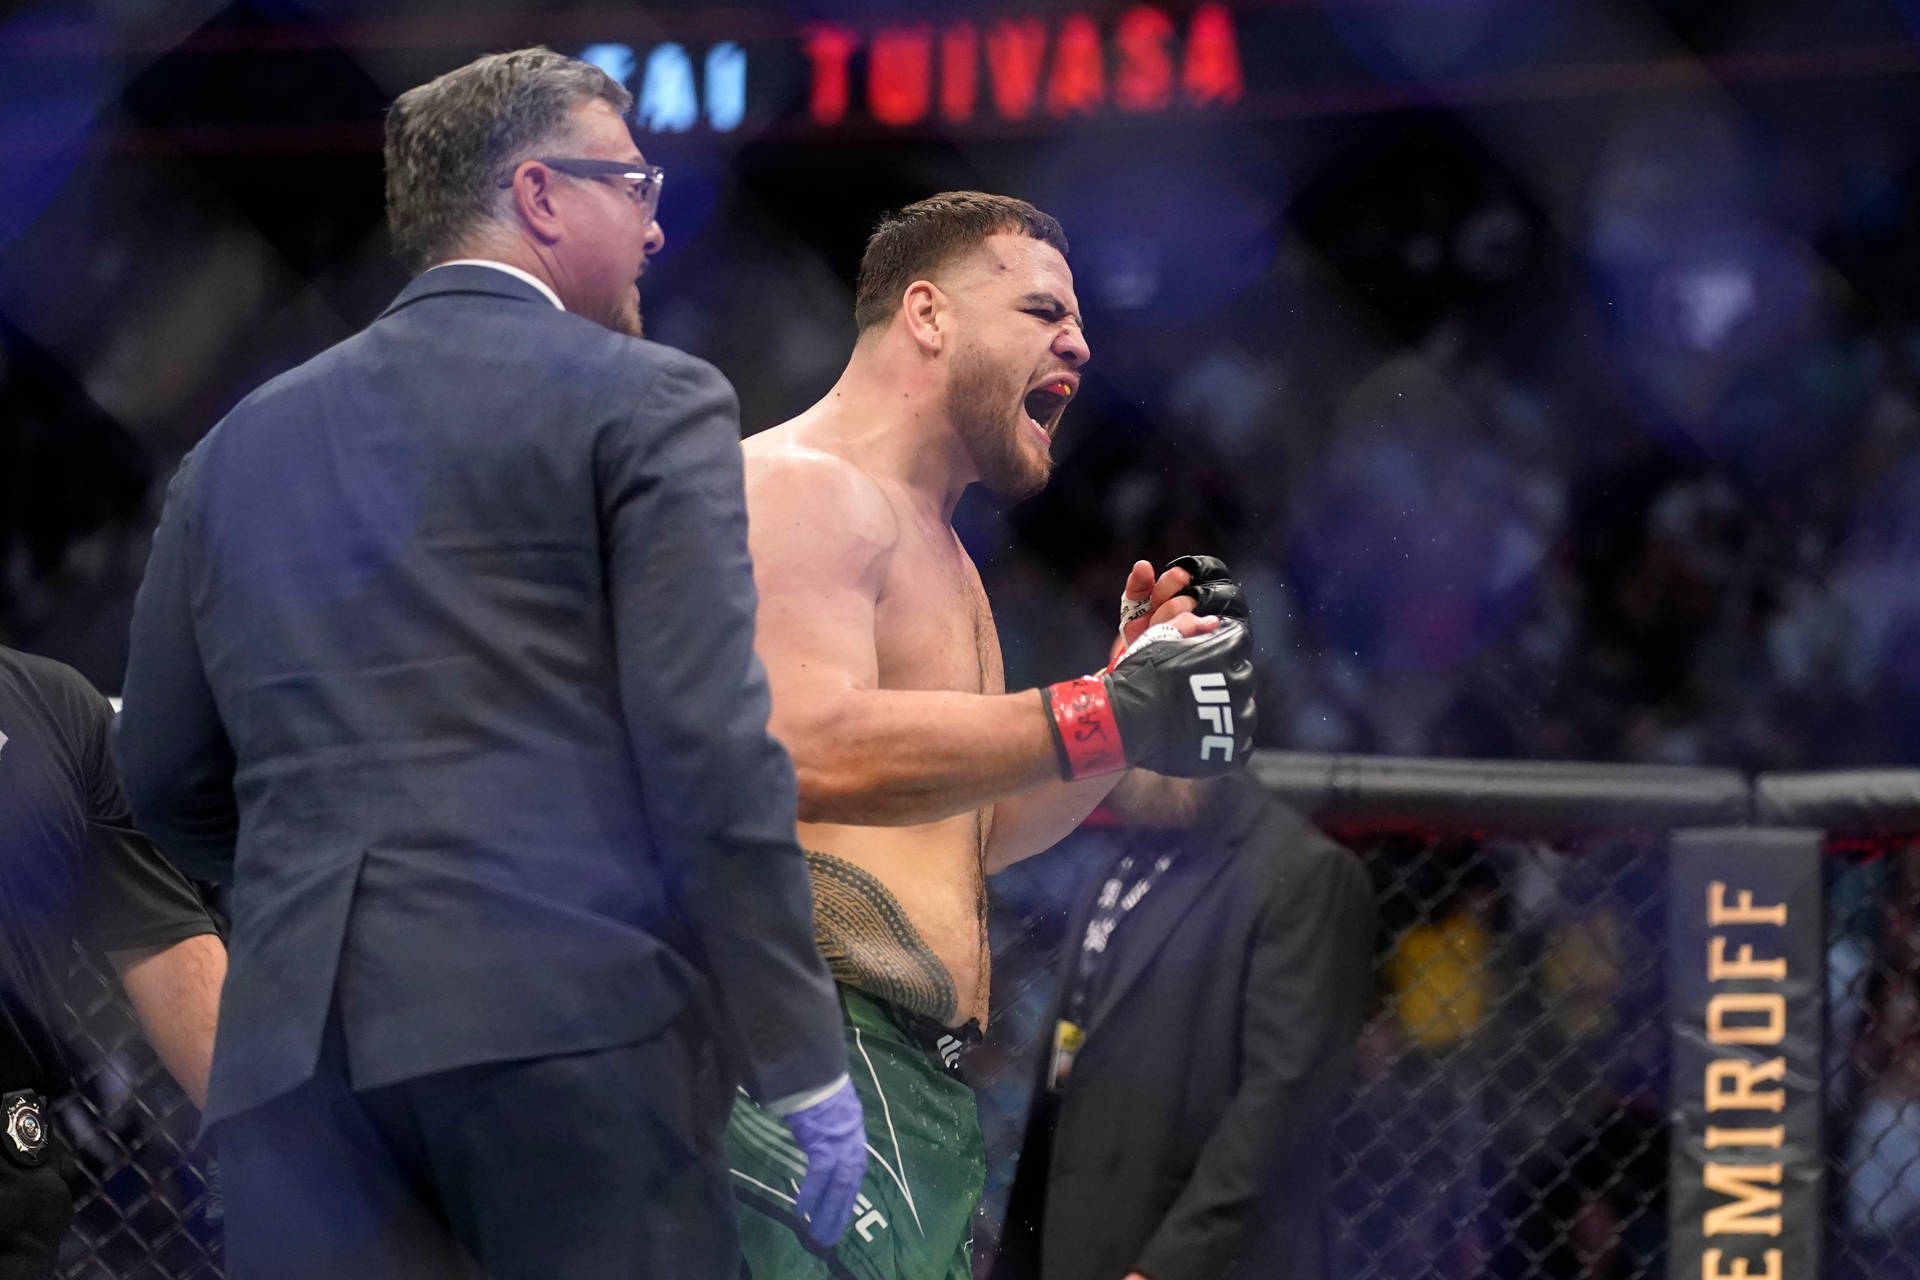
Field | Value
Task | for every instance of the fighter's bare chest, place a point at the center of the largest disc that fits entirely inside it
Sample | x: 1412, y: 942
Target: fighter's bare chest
x: 933, y: 628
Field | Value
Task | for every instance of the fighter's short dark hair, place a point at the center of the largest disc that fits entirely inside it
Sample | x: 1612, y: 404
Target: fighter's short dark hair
x: 921, y: 238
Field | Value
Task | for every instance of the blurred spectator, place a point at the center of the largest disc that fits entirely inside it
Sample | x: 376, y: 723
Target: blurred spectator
x: 1439, y: 971
x: 1215, y: 981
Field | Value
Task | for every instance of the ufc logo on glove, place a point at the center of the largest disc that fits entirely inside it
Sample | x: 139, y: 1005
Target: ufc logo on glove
x: 1210, y: 690
x: 1167, y: 705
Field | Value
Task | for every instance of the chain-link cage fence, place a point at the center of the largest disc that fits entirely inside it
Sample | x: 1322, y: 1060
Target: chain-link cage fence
x: 1872, y: 1099
x: 145, y: 1204
x: 1507, y: 1118
x: 1510, y: 1112
x: 1509, y: 1115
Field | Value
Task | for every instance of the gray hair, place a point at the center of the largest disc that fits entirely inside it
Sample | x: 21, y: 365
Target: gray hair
x: 451, y: 142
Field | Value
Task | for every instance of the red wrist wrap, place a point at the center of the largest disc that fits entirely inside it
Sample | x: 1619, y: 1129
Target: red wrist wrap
x: 1084, y: 728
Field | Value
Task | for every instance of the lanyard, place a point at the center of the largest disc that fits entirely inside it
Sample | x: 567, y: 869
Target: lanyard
x: 1120, y: 894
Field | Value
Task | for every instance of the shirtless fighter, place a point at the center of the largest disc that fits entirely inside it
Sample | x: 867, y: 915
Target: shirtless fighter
x: 918, y: 773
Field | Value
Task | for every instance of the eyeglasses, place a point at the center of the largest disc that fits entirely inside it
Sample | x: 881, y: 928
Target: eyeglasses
x: 642, y: 180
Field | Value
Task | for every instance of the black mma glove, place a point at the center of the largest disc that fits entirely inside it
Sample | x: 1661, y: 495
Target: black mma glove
x: 1214, y: 590
x: 1177, y: 705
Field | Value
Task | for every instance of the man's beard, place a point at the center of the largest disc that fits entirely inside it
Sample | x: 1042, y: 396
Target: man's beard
x: 976, y: 398
x: 626, y: 316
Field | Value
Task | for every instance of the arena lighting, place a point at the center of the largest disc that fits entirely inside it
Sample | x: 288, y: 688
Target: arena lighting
x: 898, y: 75
x: 666, y: 100
x: 1059, y: 65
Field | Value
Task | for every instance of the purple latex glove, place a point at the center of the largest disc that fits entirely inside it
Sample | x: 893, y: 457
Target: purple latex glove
x: 833, y: 1133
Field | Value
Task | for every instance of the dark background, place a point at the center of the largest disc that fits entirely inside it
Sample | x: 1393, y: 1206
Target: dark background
x: 1549, y: 370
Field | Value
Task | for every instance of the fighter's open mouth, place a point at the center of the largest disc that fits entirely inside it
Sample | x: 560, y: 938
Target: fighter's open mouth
x: 1045, y: 403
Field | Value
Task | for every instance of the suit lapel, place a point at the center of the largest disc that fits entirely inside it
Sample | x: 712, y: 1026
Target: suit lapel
x: 1206, y: 853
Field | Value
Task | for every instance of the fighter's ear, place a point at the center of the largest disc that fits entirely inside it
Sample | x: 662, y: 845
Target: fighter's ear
x: 924, y: 306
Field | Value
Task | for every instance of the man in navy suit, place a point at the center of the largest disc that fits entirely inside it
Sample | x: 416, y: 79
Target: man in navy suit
x: 444, y: 658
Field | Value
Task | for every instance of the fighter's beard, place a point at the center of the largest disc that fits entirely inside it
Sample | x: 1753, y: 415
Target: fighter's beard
x: 993, y: 441
x: 870, y: 944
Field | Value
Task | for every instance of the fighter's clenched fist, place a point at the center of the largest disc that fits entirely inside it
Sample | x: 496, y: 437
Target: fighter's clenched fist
x: 1178, y: 700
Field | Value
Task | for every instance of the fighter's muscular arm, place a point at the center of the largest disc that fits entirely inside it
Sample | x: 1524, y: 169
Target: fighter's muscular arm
x: 822, y: 535
x: 1034, y: 823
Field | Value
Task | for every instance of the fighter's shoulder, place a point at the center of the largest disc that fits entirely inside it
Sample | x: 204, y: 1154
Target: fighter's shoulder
x: 815, y: 492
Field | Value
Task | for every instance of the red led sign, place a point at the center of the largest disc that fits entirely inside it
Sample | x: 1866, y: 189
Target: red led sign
x: 1064, y: 67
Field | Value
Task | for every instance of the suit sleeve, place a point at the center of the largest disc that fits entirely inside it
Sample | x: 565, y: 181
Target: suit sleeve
x: 718, y: 789
x: 173, y: 750
x: 1307, y: 992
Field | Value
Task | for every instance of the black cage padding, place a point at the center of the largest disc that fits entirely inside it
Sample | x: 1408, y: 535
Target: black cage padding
x: 1510, y: 797
x: 1851, y: 802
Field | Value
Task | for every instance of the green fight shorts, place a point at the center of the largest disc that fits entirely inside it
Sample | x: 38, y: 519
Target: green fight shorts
x: 926, y: 1161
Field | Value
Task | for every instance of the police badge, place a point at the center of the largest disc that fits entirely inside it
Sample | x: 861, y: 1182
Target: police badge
x: 26, y: 1129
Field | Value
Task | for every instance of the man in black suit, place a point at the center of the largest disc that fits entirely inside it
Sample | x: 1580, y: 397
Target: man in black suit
x: 445, y: 658
x: 1213, y: 988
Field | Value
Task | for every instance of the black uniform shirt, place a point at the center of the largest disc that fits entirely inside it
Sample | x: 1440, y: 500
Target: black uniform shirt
x: 71, y: 862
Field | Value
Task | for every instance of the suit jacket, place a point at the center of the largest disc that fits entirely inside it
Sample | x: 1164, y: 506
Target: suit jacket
x: 444, y: 657
x: 1191, y: 1139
